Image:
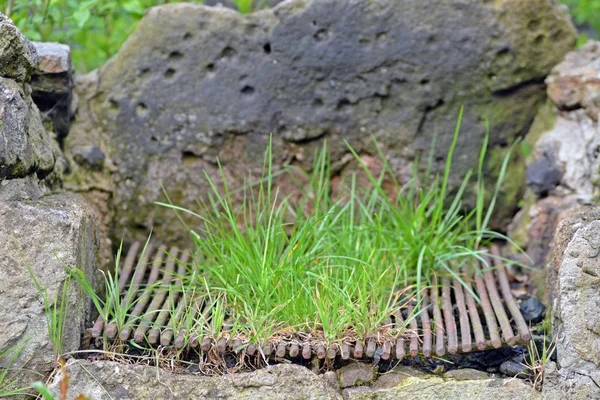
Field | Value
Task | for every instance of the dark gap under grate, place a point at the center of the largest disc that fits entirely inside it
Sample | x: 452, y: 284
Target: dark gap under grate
x: 449, y: 319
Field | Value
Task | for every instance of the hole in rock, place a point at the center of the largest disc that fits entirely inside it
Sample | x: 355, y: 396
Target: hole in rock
x: 169, y: 73
x: 247, y: 90
x: 175, y: 55
x: 141, y: 110
x: 267, y: 48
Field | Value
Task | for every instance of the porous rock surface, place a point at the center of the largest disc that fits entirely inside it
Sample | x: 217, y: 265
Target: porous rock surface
x: 576, y: 322
x: 110, y: 380
x: 197, y: 84
x: 106, y: 380
x: 43, y: 237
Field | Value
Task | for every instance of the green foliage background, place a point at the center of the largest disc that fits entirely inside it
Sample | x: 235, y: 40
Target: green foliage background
x: 96, y: 29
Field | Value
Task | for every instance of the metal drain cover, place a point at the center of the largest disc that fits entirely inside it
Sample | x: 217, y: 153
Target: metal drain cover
x: 449, y: 321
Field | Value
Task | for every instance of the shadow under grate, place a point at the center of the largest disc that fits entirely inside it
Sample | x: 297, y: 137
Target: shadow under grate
x: 449, y: 319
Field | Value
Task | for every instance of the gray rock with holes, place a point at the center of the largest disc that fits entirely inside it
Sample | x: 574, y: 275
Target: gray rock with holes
x: 197, y: 84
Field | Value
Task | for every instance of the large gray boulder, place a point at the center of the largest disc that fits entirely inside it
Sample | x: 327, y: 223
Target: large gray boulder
x: 197, y: 84
x: 576, y: 321
x: 43, y: 238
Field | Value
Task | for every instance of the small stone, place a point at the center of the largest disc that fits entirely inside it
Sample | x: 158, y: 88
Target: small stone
x: 357, y: 374
x: 330, y: 378
x: 533, y: 310
x: 397, y: 376
x: 513, y: 369
x: 542, y: 176
x: 90, y: 156
x: 466, y: 374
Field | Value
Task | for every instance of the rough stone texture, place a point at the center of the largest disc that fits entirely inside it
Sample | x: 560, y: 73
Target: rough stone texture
x: 52, y: 85
x: 195, y: 84
x: 433, y: 387
x: 105, y: 380
x: 109, y: 380
x: 26, y: 146
x: 230, y: 4
x: 26, y: 149
x: 565, y: 162
x: 17, y: 54
x: 357, y: 374
x: 44, y: 235
x: 576, y: 324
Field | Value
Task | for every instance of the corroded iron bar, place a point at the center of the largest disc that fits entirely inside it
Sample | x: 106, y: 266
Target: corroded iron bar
x: 449, y: 321
x: 332, y: 351
x: 358, y: 350
x: 371, y: 347
x: 131, y: 293
x: 236, y: 346
x: 386, y: 350
x: 267, y: 349
x: 206, y: 344
x: 490, y: 283
x: 280, y: 352
x: 146, y: 294
x: 426, y: 323
x: 306, y: 351
x: 474, y: 316
x: 345, y: 351
x: 509, y: 300
x: 399, y: 323
x: 414, y: 331
x: 488, y: 312
x: 465, y: 329
x: 294, y: 350
x: 163, y: 317
x: 222, y: 346
x: 321, y: 352
x: 440, y: 349
x: 158, y: 300
x: 124, y: 272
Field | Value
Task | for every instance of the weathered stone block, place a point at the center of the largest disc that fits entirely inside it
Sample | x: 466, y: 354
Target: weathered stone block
x: 576, y: 322
x: 52, y: 85
x: 44, y: 236
x: 17, y: 55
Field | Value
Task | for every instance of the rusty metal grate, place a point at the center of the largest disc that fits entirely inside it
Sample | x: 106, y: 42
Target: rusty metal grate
x: 449, y: 321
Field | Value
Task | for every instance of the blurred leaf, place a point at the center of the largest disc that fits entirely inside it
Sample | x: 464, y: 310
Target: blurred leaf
x: 81, y: 16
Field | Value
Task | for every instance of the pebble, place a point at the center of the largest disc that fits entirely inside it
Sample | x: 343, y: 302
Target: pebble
x: 533, y: 310
x: 512, y: 368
